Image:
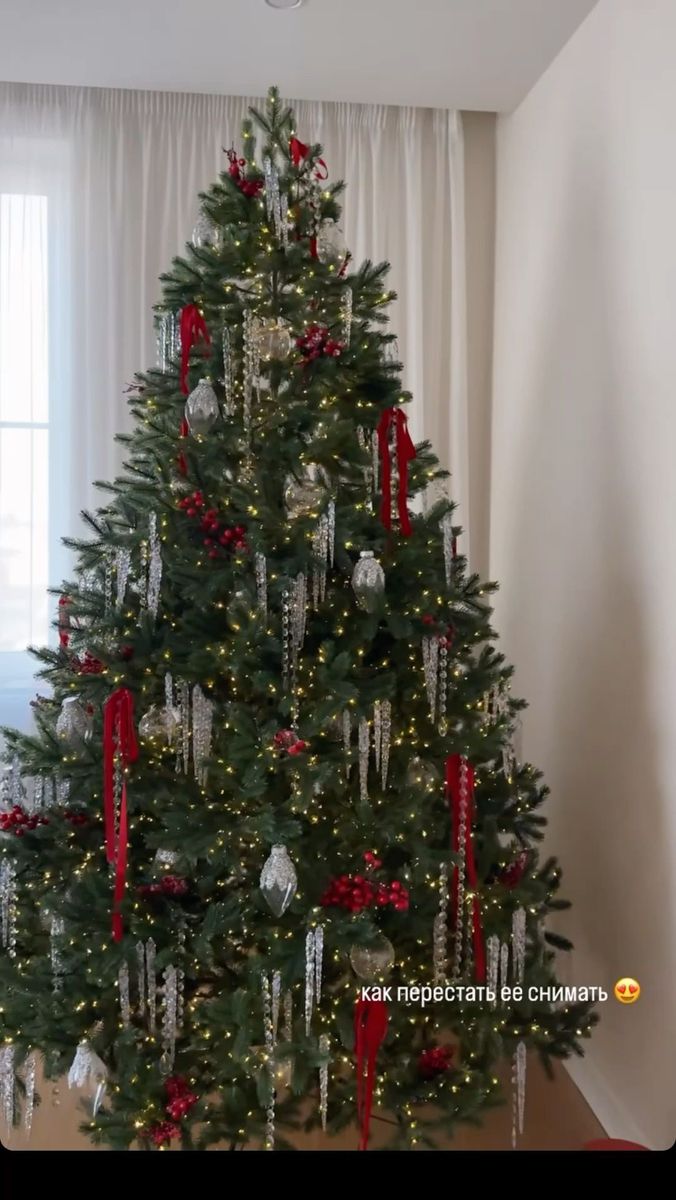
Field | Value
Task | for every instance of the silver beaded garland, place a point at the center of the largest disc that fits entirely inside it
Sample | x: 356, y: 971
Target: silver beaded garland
x: 440, y: 931
x: 463, y: 816
x: 268, y: 1033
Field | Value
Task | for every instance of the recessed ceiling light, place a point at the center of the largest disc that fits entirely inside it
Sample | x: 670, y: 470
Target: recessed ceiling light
x: 284, y: 3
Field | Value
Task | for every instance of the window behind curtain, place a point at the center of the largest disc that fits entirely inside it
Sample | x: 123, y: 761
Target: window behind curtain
x: 35, y: 415
x: 24, y: 424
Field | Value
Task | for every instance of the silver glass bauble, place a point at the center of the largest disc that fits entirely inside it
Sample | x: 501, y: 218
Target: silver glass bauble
x: 302, y: 496
x: 331, y: 248
x: 201, y: 408
x: 273, y: 338
x: 278, y: 880
x: 159, y: 724
x: 206, y: 231
x: 74, y: 722
x: 373, y: 961
x: 368, y: 581
x: 166, y: 859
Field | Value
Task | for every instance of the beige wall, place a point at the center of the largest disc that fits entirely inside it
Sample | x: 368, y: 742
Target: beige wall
x: 479, y: 135
x: 583, y: 516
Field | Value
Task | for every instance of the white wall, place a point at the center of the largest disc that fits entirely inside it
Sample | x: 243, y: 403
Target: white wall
x: 583, y: 515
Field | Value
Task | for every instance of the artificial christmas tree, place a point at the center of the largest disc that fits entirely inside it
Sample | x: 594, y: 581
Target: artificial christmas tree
x: 276, y: 764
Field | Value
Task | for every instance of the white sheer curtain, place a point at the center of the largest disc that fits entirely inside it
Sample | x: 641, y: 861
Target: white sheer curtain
x: 119, y: 173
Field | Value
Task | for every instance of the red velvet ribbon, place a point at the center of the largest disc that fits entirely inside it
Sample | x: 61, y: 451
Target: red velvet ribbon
x: 64, y: 620
x: 405, y: 451
x: 119, y: 740
x: 370, y: 1027
x: 299, y: 152
x: 193, y: 329
x: 454, y: 764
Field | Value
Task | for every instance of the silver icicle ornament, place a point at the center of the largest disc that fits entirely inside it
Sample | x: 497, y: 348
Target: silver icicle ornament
x: 368, y: 581
x: 201, y: 408
x: 278, y: 880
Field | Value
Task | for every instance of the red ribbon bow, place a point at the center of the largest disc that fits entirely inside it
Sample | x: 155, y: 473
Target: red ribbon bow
x: 193, y: 329
x: 456, y: 766
x: 370, y: 1027
x: 120, y: 748
x: 64, y: 620
x: 405, y: 451
x: 299, y: 152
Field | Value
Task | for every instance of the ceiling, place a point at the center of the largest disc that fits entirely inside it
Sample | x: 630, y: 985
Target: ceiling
x: 472, y: 54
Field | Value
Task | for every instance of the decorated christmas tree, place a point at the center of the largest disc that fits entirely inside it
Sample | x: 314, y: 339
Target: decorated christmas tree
x: 273, y: 785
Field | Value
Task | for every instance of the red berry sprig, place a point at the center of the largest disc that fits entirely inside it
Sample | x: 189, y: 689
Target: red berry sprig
x: 355, y: 893
x: 169, y: 885
x: 180, y: 1098
x: 435, y: 1061
x: 288, y: 741
x: 162, y: 1132
x: 17, y: 821
x: 88, y: 665
x: 218, y: 537
x: 317, y: 342
x: 249, y: 187
x: 75, y: 818
x: 511, y: 876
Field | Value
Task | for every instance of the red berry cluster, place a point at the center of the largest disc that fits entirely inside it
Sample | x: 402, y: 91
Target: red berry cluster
x: 435, y: 1061
x: 512, y: 875
x: 250, y: 187
x: 218, y: 537
x: 317, y: 342
x: 288, y: 740
x: 75, y: 818
x: 87, y: 665
x: 180, y: 1100
x: 355, y: 893
x: 162, y: 1132
x: 169, y: 885
x: 17, y: 821
x: 445, y: 639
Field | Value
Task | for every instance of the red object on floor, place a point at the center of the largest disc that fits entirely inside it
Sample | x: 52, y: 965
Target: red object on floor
x: 613, y: 1144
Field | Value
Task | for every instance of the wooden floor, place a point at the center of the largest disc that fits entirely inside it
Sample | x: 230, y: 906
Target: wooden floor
x: 557, y: 1118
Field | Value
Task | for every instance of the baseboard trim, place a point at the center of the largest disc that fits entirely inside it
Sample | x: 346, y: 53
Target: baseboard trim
x: 604, y: 1103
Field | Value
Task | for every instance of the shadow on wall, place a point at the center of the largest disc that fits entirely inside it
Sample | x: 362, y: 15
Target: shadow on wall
x: 574, y: 614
